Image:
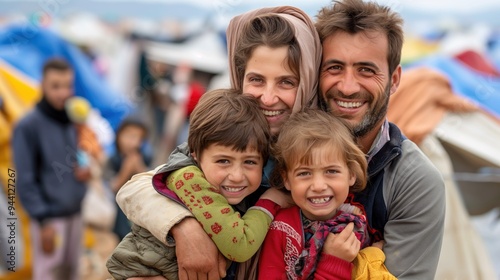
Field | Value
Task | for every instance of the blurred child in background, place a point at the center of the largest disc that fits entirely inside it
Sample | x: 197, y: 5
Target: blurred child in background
x: 129, y: 158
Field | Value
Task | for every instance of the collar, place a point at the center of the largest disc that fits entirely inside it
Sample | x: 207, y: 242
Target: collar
x: 382, y: 138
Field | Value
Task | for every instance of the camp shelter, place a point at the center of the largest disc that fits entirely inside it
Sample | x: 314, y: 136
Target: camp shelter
x: 458, y: 135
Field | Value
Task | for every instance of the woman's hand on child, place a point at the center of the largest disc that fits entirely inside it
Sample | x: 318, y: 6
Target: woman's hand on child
x: 197, y: 255
x: 284, y: 200
x: 344, y: 245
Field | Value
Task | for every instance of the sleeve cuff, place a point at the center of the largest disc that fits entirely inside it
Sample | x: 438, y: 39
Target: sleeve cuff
x: 331, y: 263
x: 267, y: 206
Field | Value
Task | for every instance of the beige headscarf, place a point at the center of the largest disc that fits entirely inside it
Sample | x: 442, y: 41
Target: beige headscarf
x: 310, y: 50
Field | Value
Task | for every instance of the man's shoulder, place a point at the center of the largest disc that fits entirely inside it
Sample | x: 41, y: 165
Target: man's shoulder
x: 30, y: 119
x: 413, y: 157
x: 413, y: 168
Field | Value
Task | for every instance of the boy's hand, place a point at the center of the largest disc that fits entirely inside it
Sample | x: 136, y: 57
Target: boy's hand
x: 344, y: 245
x: 82, y: 174
x: 48, y: 239
x: 279, y: 197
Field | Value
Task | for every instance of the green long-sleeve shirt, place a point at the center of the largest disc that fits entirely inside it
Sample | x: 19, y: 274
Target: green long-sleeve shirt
x: 237, y: 238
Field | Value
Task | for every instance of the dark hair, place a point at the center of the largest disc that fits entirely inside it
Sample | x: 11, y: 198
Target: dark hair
x: 268, y: 30
x: 353, y: 16
x: 311, y: 129
x: 228, y: 118
x: 128, y: 122
x: 56, y: 64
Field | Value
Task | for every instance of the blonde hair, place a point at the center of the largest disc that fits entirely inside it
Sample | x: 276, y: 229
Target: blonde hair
x: 311, y: 129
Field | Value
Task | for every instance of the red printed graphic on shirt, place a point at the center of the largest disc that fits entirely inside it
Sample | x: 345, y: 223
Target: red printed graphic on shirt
x: 188, y: 175
x: 216, y: 228
x: 207, y: 215
x: 179, y: 184
x: 196, y: 187
x: 225, y: 210
x: 208, y: 200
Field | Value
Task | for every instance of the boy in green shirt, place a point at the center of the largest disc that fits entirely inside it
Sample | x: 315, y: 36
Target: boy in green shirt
x: 228, y: 146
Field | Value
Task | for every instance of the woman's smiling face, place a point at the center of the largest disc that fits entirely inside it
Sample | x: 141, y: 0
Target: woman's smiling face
x: 268, y: 78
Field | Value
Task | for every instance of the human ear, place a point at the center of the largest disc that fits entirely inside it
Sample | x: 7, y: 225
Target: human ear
x: 352, y: 179
x: 193, y: 154
x: 395, y: 79
x: 285, y: 181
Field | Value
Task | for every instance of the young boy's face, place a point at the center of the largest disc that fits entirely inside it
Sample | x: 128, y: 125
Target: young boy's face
x: 236, y: 174
x: 321, y: 187
x: 130, y: 139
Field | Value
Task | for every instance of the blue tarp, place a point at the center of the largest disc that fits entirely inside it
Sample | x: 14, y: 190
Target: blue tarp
x: 27, y: 47
x: 482, y: 89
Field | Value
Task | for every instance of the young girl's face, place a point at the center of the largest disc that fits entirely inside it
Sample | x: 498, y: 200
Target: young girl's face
x: 322, y: 186
x: 235, y: 174
x: 130, y: 139
x: 268, y: 79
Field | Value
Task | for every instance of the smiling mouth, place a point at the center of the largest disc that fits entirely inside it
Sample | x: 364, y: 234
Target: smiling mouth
x: 319, y: 200
x: 349, y: 105
x: 232, y: 189
x: 272, y: 113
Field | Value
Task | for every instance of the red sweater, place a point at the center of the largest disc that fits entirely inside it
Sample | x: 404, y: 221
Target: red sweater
x: 283, y: 245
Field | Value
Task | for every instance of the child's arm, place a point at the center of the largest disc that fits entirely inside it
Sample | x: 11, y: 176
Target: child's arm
x: 238, y: 238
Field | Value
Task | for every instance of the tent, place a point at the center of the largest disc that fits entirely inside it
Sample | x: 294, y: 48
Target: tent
x: 459, y: 137
x: 27, y: 47
x: 23, y: 50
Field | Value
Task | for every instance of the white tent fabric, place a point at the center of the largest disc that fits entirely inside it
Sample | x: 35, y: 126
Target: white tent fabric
x: 476, y: 133
x: 463, y: 254
x: 205, y: 53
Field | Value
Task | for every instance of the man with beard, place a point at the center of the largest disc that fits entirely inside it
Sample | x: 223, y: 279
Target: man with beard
x: 404, y: 199
x: 51, y: 185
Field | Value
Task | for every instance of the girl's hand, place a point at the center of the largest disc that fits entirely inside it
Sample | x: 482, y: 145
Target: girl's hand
x: 379, y: 245
x: 344, y: 245
x: 279, y: 197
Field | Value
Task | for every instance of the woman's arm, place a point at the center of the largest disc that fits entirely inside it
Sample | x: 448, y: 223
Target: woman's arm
x: 238, y: 238
x: 144, y: 206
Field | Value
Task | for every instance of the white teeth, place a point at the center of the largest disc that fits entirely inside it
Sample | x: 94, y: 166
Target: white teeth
x: 230, y: 189
x: 349, y: 104
x: 271, y: 113
x: 320, y: 200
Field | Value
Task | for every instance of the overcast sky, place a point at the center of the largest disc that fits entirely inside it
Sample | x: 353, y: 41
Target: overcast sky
x: 463, y: 10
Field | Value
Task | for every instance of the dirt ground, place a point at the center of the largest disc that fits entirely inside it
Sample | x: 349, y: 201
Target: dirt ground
x: 99, y: 245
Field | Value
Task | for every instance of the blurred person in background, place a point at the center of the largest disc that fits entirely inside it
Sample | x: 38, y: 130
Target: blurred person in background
x: 129, y: 158
x: 52, y: 185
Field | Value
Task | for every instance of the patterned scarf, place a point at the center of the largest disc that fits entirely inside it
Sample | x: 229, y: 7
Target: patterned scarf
x: 315, y: 233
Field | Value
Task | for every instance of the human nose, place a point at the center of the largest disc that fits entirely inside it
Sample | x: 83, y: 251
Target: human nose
x: 236, y: 174
x: 348, y: 84
x: 318, y: 184
x: 269, y: 96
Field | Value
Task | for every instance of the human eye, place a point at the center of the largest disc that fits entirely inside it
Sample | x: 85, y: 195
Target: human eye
x: 222, y: 161
x: 251, y: 162
x: 303, y: 173
x: 367, y: 71
x: 332, y: 171
x: 255, y: 80
x: 333, y: 68
x: 288, y: 83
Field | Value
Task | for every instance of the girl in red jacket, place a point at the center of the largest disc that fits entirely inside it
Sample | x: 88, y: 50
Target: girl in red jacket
x: 319, y: 163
